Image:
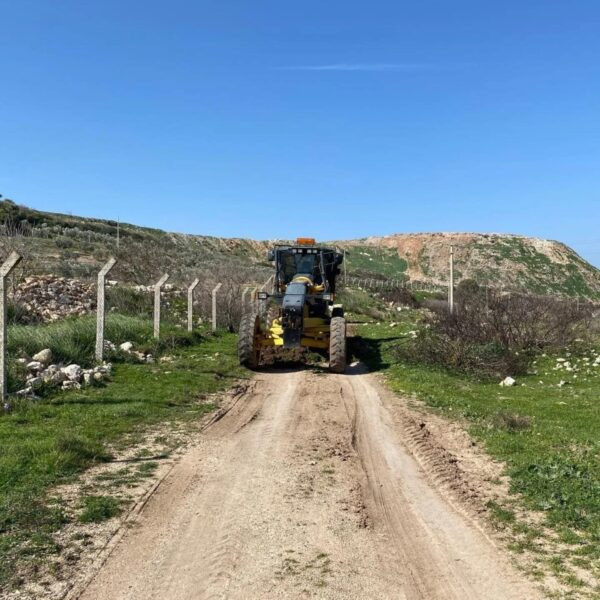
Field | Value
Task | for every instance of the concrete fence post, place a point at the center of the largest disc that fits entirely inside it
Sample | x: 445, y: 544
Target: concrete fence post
x: 9, y: 264
x: 214, y: 305
x: 271, y: 281
x: 190, y: 298
x: 157, y: 289
x: 451, y: 282
x: 247, y: 290
x: 262, y: 308
x: 101, y: 308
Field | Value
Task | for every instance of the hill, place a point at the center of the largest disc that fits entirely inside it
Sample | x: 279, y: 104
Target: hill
x: 511, y: 261
x: 76, y: 247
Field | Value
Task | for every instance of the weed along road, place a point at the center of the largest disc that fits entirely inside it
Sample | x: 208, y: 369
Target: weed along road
x: 306, y: 487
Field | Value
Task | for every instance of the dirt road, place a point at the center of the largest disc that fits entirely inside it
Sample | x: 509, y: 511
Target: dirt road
x: 305, y: 489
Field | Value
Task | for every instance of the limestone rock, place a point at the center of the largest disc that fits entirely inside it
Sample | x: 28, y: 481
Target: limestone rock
x: 71, y: 385
x: 73, y: 372
x: 43, y: 356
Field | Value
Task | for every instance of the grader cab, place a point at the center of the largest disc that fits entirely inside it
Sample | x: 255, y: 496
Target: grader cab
x: 302, y: 312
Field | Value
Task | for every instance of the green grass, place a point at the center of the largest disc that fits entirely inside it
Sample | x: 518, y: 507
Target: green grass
x: 53, y: 440
x: 360, y: 302
x: 548, y: 436
x: 74, y: 339
x: 99, y: 508
x: 369, y: 260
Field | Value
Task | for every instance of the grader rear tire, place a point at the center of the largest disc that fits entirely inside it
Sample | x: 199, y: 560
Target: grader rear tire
x: 248, y: 346
x: 337, y: 345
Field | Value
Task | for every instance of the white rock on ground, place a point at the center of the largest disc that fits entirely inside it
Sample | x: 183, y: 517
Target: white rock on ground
x: 73, y: 372
x: 35, y: 366
x: 44, y: 356
x: 126, y: 346
x: 508, y: 382
x: 70, y: 385
x: 98, y: 376
x: 87, y: 378
x: 54, y: 377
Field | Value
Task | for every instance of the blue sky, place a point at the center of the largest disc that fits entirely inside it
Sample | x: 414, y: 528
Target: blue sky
x: 334, y: 119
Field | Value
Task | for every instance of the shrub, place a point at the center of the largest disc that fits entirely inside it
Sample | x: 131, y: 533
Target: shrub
x: 401, y: 296
x: 495, y: 334
x: 63, y: 242
x: 467, y: 288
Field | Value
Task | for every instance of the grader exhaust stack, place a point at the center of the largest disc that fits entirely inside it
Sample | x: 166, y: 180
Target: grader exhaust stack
x: 303, y: 310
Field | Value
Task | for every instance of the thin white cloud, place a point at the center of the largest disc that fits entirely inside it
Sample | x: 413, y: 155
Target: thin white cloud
x: 359, y: 67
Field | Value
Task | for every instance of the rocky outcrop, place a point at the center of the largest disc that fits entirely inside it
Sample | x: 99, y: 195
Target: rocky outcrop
x: 47, y: 298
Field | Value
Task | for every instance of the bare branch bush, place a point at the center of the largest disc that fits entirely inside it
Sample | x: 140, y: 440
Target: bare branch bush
x: 229, y: 296
x: 400, y: 296
x: 495, y: 334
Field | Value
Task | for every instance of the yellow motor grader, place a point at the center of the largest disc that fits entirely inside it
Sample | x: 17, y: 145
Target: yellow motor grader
x: 300, y: 312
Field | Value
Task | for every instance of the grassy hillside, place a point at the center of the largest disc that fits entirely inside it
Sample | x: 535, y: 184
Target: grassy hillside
x: 76, y: 246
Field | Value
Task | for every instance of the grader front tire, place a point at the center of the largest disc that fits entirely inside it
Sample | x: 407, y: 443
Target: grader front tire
x: 248, y: 343
x: 337, y: 345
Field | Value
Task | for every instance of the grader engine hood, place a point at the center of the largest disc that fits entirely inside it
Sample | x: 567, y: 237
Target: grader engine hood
x: 292, y: 317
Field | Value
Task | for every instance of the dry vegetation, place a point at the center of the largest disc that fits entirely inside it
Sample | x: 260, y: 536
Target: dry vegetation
x: 496, y: 334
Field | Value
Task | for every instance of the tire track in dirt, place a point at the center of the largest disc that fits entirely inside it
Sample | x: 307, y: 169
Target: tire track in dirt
x: 304, y: 488
x: 444, y: 554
